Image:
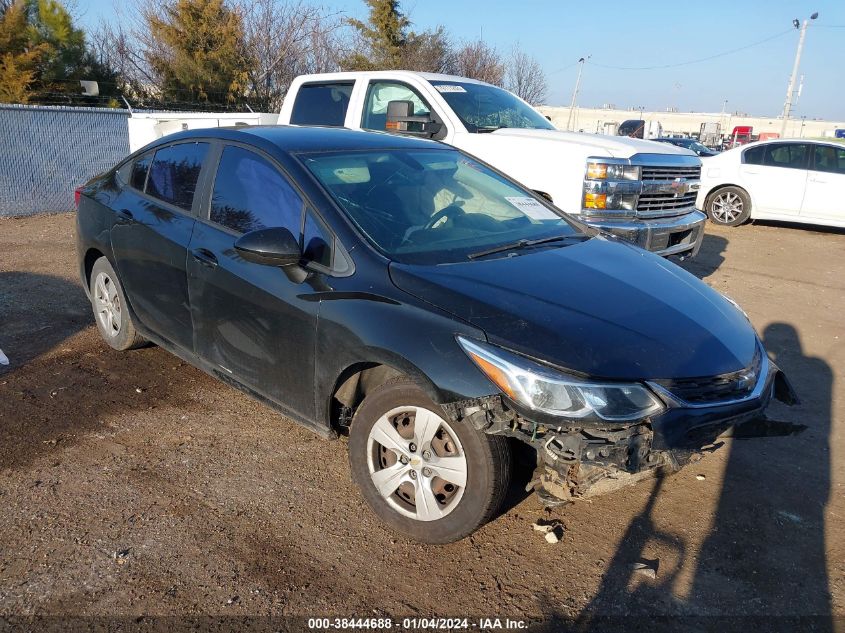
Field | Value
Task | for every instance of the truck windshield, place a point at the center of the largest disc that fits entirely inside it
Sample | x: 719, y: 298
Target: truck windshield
x: 484, y: 108
x: 435, y: 206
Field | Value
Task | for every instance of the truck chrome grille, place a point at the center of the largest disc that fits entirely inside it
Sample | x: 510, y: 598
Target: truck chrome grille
x: 726, y: 387
x: 651, y: 173
x: 664, y: 201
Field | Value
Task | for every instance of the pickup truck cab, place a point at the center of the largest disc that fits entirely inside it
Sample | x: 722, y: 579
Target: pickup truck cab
x: 641, y: 191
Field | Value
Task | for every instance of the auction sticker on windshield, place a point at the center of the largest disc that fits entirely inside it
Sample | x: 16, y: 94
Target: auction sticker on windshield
x: 532, y: 208
x: 449, y: 88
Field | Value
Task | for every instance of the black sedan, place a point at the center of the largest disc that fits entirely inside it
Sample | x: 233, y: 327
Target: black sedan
x: 406, y: 293
x: 689, y: 143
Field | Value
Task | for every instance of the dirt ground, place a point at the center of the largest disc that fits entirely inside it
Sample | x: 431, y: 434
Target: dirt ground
x: 133, y: 484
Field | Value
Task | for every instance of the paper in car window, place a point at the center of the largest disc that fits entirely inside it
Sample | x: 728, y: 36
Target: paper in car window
x: 449, y: 88
x: 341, y: 171
x: 532, y: 208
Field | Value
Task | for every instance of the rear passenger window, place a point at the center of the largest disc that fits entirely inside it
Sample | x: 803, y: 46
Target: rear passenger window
x: 754, y: 155
x: 174, y: 173
x: 790, y: 155
x: 140, y: 167
x: 321, y: 104
x: 251, y: 194
x: 829, y: 159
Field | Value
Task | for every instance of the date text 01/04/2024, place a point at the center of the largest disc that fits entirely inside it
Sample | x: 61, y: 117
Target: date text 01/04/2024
x: 415, y: 623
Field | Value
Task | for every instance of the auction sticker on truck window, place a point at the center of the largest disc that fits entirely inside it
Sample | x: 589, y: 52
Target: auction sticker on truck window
x: 449, y: 88
x: 532, y: 208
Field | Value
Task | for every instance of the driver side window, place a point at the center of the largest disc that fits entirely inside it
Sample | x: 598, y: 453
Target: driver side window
x: 380, y: 93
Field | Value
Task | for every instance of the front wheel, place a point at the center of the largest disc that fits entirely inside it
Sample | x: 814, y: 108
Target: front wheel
x: 729, y: 206
x: 427, y: 477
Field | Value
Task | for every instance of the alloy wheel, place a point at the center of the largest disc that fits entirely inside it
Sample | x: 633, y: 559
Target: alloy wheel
x: 727, y: 207
x: 107, y: 304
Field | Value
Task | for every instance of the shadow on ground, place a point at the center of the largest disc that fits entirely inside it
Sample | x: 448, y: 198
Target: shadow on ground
x: 37, y: 313
x: 56, y: 389
x: 764, y: 554
x: 709, y: 258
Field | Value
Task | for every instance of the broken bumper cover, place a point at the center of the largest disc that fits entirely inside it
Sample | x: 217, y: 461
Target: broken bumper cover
x: 583, y: 461
x: 681, y: 235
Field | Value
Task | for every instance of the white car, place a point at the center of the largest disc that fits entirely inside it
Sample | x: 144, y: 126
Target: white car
x: 794, y: 180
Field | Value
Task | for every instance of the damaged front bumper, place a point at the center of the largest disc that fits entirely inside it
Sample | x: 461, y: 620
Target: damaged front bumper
x: 591, y: 459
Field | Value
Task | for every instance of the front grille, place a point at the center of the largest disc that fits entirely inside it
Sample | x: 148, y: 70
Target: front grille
x: 715, y: 389
x: 670, y: 173
x: 665, y: 201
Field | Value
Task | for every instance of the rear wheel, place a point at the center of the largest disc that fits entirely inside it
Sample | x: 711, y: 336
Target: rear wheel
x: 427, y: 477
x: 729, y: 206
x: 110, y: 309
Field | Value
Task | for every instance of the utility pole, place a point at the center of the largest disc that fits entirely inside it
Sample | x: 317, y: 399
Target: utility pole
x: 787, y: 106
x: 575, y: 93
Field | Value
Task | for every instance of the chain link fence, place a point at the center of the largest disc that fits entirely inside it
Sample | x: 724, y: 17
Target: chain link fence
x: 48, y: 151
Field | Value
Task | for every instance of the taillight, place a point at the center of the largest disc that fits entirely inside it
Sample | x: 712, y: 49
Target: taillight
x: 76, y: 193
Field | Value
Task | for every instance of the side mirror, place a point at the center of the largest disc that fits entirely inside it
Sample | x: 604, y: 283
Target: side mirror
x: 270, y: 247
x: 400, y: 118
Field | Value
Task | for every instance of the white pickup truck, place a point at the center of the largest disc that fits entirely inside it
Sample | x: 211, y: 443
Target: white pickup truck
x: 641, y: 191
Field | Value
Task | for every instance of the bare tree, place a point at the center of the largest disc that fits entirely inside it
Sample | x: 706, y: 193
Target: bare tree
x: 114, y: 44
x: 525, y: 77
x: 287, y: 39
x: 429, y: 51
x: 479, y: 60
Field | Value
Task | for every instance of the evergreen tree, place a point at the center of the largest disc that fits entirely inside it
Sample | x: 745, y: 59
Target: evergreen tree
x: 42, y: 53
x: 388, y: 44
x: 198, y: 52
x: 18, y: 57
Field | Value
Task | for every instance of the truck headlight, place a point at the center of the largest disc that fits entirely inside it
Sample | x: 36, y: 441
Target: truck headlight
x: 625, y: 202
x: 551, y: 391
x: 612, y: 171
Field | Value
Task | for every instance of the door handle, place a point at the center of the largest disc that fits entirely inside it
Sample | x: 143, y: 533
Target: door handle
x: 205, y: 257
x: 125, y: 215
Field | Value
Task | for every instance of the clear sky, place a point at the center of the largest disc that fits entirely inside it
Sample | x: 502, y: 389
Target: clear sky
x: 647, y: 33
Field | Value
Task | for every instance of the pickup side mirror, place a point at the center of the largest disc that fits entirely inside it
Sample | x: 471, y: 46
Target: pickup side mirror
x: 400, y: 118
x: 269, y: 247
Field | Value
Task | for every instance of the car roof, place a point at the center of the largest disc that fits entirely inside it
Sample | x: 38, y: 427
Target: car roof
x: 387, y: 74
x: 293, y: 138
x: 807, y: 141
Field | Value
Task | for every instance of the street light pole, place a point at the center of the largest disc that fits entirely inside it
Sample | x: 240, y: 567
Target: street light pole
x: 787, y: 106
x: 575, y: 93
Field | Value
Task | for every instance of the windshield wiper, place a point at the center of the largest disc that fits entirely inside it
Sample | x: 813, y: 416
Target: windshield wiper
x: 519, y: 244
x: 489, y: 128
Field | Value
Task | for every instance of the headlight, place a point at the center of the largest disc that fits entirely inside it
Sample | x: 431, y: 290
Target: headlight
x: 551, y: 391
x: 612, y: 171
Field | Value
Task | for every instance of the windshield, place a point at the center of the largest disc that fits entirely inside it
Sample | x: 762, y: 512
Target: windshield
x: 483, y: 108
x: 689, y: 143
x: 432, y: 206
x: 698, y: 147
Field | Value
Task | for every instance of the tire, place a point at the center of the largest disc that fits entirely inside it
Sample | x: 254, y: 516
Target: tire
x: 728, y: 206
x: 449, y: 511
x: 111, y: 314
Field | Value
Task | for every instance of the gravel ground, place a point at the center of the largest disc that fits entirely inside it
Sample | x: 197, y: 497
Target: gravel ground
x: 133, y: 484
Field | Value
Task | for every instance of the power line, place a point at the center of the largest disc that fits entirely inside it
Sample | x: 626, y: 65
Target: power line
x: 565, y: 67
x: 697, y: 61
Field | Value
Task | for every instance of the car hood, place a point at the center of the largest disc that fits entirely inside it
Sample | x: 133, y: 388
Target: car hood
x: 615, y: 146
x: 599, y: 307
